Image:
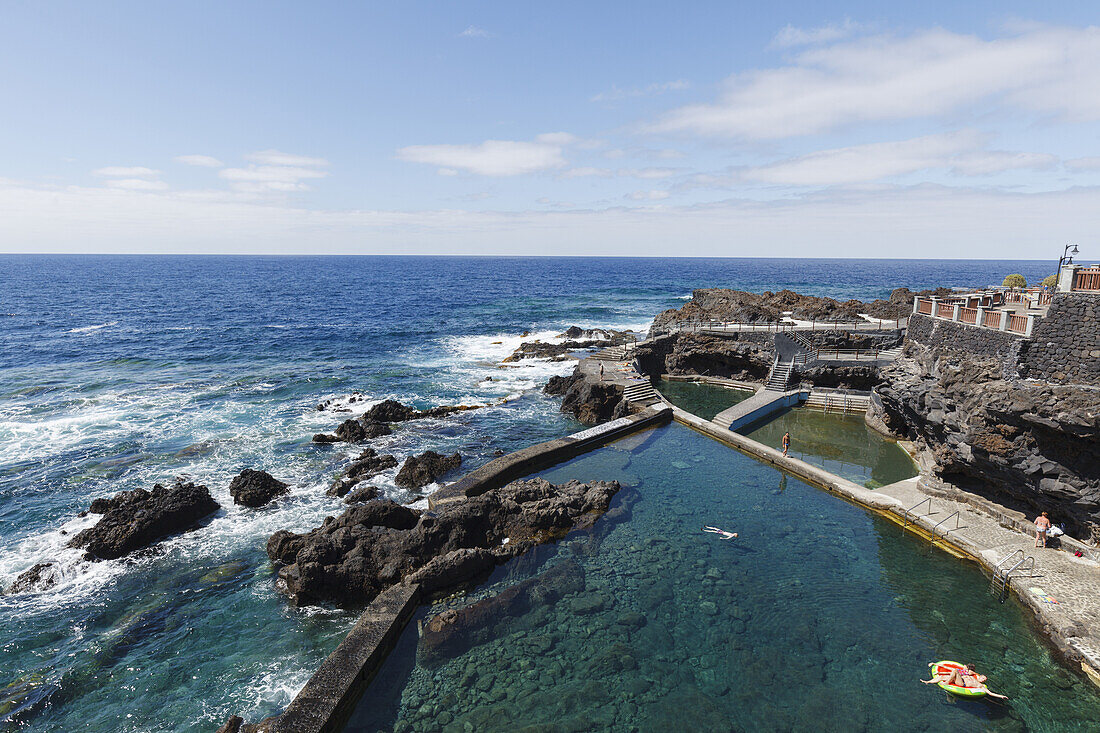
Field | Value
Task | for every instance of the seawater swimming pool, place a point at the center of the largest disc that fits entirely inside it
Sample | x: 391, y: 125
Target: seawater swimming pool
x: 820, y: 616
x: 699, y: 398
x: 841, y: 444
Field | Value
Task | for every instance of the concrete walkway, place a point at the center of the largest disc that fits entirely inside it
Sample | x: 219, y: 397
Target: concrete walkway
x: 985, y: 534
x: 757, y: 407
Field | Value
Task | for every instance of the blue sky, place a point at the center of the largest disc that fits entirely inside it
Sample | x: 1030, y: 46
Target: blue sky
x: 839, y: 129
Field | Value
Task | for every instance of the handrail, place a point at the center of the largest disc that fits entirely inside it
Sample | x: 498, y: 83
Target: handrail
x: 914, y: 508
x: 956, y: 514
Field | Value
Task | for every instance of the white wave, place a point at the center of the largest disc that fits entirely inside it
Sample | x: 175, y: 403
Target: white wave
x: 89, y: 329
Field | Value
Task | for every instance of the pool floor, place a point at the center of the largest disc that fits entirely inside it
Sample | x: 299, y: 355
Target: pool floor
x: 820, y: 616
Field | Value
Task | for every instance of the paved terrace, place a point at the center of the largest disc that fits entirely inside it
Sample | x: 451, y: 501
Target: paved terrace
x: 981, y: 531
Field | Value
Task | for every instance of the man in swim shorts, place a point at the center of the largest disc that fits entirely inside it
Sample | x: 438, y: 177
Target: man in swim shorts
x: 720, y: 532
x: 786, y: 443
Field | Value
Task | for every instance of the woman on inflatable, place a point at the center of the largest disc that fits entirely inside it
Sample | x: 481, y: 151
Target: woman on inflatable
x: 960, y: 679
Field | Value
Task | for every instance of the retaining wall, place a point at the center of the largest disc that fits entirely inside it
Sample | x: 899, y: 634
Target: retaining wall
x: 500, y: 471
x: 1065, y: 345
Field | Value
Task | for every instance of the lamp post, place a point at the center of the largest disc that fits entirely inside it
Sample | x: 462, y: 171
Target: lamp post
x: 1067, y: 257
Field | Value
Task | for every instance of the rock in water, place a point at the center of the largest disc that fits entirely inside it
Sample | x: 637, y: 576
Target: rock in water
x: 135, y: 519
x: 356, y: 431
x: 425, y: 468
x: 455, y: 631
x: 349, y: 559
x: 362, y: 494
x: 256, y: 488
x: 42, y: 576
x: 587, y: 399
x: 393, y: 411
x: 368, y: 464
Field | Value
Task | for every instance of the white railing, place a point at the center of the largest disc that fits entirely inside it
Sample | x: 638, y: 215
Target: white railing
x: 781, y: 326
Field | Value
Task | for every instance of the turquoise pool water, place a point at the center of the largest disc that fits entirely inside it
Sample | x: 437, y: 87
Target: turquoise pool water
x: 820, y: 616
x: 704, y: 400
x: 841, y: 444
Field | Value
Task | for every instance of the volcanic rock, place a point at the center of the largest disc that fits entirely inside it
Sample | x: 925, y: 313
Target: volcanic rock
x: 455, y: 631
x: 356, y: 431
x: 425, y: 468
x: 351, y: 558
x: 362, y: 494
x: 135, y: 519
x: 256, y: 488
x: 587, y: 399
x: 368, y: 464
x: 42, y: 576
x: 393, y: 411
x: 1033, y: 446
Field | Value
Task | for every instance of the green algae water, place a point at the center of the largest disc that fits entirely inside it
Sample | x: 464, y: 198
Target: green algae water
x: 704, y: 400
x: 841, y: 444
x: 820, y: 616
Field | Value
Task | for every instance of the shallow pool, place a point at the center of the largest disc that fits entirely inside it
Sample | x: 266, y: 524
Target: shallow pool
x: 841, y: 444
x: 699, y: 398
x: 820, y: 616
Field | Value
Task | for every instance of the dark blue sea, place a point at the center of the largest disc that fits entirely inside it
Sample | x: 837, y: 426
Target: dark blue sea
x: 121, y: 372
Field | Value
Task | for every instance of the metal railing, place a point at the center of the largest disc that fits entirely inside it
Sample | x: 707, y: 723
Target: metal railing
x: 1002, y: 572
x: 956, y: 514
x: 781, y: 326
x: 910, y: 511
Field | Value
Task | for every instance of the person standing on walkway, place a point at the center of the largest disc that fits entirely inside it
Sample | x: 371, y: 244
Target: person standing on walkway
x: 786, y: 443
x: 601, y: 371
x: 1042, y: 524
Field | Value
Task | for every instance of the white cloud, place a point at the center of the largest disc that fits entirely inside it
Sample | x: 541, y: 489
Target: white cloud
x: 647, y: 195
x: 1083, y: 164
x: 275, y: 157
x: 961, y: 153
x: 997, y: 161
x: 204, y: 161
x: 260, y: 178
x: 133, y: 171
x: 935, y: 73
x: 472, y: 31
x: 794, y: 36
x: 494, y: 157
x: 616, y: 94
x: 137, y: 184
x: 647, y: 173
x: 934, y: 221
x: 274, y: 171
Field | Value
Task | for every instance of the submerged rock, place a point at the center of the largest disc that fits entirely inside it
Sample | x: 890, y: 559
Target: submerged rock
x: 135, y: 519
x: 455, y: 631
x: 421, y: 470
x: 256, y: 488
x: 351, y: 558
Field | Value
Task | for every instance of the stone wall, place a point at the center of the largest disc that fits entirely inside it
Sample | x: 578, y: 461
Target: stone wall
x: 937, y: 334
x: 1065, y: 345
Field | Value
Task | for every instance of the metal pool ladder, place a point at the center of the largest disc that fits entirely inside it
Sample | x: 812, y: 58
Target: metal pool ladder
x: 909, y: 513
x: 956, y: 515
x: 1002, y: 571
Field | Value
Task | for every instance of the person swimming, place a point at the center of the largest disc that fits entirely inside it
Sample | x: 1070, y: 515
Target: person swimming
x: 720, y: 532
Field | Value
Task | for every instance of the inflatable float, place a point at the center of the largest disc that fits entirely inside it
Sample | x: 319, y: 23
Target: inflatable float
x: 945, y: 669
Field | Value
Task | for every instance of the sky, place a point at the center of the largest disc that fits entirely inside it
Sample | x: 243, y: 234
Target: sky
x: 842, y: 129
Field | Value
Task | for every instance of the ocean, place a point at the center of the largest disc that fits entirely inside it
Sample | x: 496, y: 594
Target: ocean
x: 118, y: 372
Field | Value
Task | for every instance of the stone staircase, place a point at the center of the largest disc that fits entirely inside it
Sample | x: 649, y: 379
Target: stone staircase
x: 641, y: 393
x: 780, y: 376
x: 612, y: 353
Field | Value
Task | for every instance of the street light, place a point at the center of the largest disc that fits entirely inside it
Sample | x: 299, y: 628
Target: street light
x: 1067, y: 256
